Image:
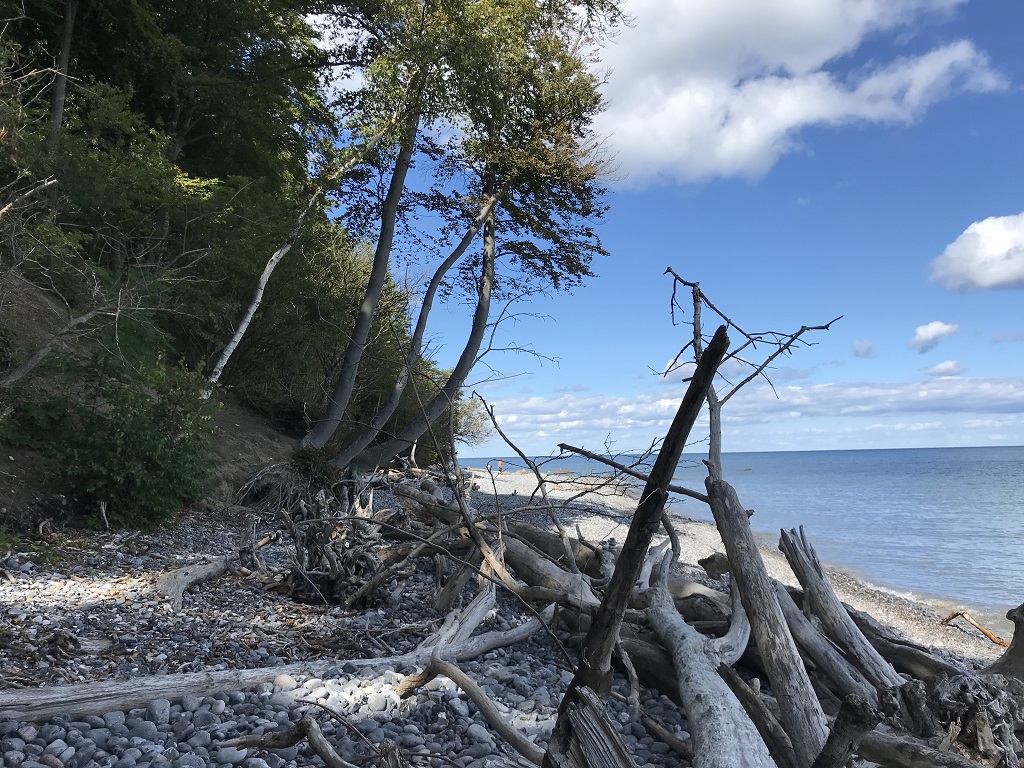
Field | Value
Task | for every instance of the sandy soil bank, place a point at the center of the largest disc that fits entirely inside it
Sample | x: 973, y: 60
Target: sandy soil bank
x: 604, y: 512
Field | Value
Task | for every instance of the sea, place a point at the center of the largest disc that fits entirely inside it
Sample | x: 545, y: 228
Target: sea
x: 942, y: 525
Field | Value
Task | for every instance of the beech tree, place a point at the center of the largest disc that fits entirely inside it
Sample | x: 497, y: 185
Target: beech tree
x: 500, y: 108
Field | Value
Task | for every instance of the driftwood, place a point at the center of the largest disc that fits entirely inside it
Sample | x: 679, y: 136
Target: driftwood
x: 537, y: 570
x: 842, y: 676
x: 1012, y: 661
x: 894, y: 752
x: 802, y: 716
x: 594, y: 671
x: 971, y: 620
x: 174, y: 583
x: 591, y: 740
x: 834, y: 618
x: 723, y: 736
x: 764, y: 718
x: 855, y: 719
x: 98, y: 698
x: 306, y: 728
x: 906, y: 657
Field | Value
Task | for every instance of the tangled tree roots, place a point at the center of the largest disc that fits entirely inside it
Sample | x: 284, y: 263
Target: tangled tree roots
x: 335, y: 543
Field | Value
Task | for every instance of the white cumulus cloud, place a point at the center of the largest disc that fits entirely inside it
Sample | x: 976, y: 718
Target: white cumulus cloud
x: 989, y: 254
x: 946, y: 368
x: 927, y: 337
x: 705, y: 88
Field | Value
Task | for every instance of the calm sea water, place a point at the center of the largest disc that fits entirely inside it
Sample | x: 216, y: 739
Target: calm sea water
x: 937, y: 523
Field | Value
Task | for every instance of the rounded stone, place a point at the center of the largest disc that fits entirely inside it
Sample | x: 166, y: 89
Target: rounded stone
x: 159, y: 711
x: 286, y: 682
x: 230, y: 755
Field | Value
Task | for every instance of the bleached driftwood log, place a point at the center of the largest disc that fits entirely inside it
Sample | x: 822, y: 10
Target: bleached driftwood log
x: 723, y: 735
x: 174, y: 583
x: 98, y: 698
x: 835, y: 620
x: 802, y: 716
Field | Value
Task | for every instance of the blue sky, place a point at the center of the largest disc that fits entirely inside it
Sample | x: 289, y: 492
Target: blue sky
x: 801, y: 159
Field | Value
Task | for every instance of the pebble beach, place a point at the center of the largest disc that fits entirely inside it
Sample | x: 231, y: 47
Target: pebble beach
x: 93, y: 615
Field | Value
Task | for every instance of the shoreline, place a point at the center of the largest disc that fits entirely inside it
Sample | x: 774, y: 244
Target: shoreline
x: 918, y: 618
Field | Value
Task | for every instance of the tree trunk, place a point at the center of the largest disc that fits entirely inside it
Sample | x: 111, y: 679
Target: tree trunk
x: 283, y: 250
x: 60, y: 82
x: 594, y: 670
x: 387, y: 410
x: 324, y: 429
x: 379, y: 455
x: 1012, y: 661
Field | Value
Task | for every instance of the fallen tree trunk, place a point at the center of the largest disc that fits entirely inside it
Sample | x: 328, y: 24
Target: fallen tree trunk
x: 723, y: 735
x: 40, y: 704
x: 802, y: 716
x: 894, y: 752
x: 835, y: 621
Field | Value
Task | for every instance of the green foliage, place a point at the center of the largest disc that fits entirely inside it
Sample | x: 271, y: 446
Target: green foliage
x: 8, y: 346
x: 41, y: 424
x: 142, y: 445
x: 8, y: 541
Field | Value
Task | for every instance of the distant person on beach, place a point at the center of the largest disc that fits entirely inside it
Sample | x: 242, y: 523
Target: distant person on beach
x: 499, y: 465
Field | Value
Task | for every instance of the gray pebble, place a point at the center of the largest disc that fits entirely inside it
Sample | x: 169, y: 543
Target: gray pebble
x: 459, y: 707
x: 230, y: 755
x: 377, y: 702
x: 14, y: 758
x: 479, y: 734
x: 479, y: 750
x: 286, y: 754
x: 189, y: 761
x: 200, y: 739
x: 144, y: 729
x: 51, y: 732
x: 191, y: 703
x: 159, y: 711
x: 204, y: 719
x: 113, y: 718
x: 55, y: 747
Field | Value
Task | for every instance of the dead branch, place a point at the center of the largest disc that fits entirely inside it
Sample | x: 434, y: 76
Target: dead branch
x: 306, y: 728
x: 495, y: 719
x: 565, y: 447
x: 594, y: 671
x: 970, y: 620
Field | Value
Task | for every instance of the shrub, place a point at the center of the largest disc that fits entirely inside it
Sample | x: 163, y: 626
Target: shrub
x: 143, y: 445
